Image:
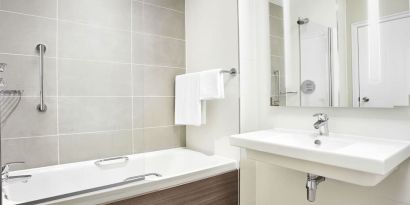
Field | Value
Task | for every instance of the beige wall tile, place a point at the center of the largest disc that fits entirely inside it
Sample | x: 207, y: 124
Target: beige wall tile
x: 178, y: 5
x: 91, y: 43
x: 138, y: 112
x: 276, y: 46
x: 164, y: 22
x: 138, y: 80
x: 81, y: 147
x: 109, y: 13
x: 137, y: 16
x: 163, y: 138
x: 139, y: 142
x: 276, y: 27
x: 26, y: 121
x: 90, y: 114
x: 275, y: 10
x: 82, y: 78
x: 22, y: 73
x: 46, y: 8
x: 160, y: 81
x: 162, y: 51
x: 21, y: 34
x: 35, y: 152
x: 158, y: 111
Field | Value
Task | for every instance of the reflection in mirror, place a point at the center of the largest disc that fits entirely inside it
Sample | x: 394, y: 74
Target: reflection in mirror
x: 341, y: 53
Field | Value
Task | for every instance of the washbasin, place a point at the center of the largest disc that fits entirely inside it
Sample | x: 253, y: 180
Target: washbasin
x: 354, y: 159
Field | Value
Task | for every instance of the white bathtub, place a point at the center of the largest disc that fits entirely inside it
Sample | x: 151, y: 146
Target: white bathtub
x: 65, y: 184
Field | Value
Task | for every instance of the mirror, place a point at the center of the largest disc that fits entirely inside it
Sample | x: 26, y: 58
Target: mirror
x: 340, y: 53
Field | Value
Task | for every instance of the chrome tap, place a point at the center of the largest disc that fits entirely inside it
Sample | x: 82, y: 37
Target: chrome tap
x: 5, y: 174
x: 322, y: 124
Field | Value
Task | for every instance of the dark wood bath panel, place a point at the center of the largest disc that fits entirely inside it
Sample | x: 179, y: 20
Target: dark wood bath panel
x: 217, y: 190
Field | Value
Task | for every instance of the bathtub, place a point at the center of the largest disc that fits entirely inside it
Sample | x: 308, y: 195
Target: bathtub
x: 113, y: 179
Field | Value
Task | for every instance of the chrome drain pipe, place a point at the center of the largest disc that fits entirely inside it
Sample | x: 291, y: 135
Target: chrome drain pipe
x: 312, y: 183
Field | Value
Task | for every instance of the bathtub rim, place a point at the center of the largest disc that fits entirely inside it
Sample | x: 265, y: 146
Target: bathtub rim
x: 137, y: 188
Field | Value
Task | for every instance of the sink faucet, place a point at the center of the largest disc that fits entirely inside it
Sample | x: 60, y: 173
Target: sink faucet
x: 322, y: 124
x: 5, y: 174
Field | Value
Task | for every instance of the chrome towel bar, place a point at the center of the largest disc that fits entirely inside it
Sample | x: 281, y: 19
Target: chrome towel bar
x: 232, y: 71
x: 42, y: 106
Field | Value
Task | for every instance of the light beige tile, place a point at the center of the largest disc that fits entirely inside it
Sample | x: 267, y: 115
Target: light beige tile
x: 138, y: 112
x: 109, y: 13
x: 26, y: 121
x: 277, y: 64
x: 178, y: 5
x: 45, y: 8
x: 90, y: 114
x: 158, y: 111
x: 160, y: 51
x: 164, y: 22
x: 35, y: 152
x: 163, y: 138
x: 139, y: 143
x: 82, y: 78
x: 137, y: 16
x: 276, y: 27
x: 21, y: 34
x: 81, y: 147
x: 138, y: 80
x: 22, y: 73
x: 91, y: 43
x: 275, y: 10
x: 160, y: 81
x: 276, y: 46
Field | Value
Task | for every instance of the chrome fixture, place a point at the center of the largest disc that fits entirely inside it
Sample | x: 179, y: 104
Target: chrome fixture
x: 232, y: 71
x: 2, y: 67
x: 302, y: 21
x: 142, y: 177
x: 5, y: 174
x: 312, y: 183
x: 42, y: 106
x: 322, y: 124
x: 99, y: 162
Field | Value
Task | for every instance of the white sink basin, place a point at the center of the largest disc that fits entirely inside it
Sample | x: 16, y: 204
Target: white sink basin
x: 354, y: 159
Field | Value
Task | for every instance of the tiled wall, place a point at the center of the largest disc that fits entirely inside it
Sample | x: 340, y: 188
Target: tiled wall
x: 277, y: 55
x: 109, y: 78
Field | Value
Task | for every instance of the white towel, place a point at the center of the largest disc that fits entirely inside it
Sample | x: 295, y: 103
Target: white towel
x: 188, y: 109
x: 212, y: 85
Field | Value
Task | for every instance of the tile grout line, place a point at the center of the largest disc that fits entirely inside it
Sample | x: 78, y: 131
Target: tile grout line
x: 57, y: 82
x: 92, y: 132
x: 98, y: 61
x: 132, y: 79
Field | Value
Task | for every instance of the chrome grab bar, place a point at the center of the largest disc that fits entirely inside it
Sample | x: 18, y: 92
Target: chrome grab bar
x: 42, y: 106
x: 98, y: 162
x: 142, y: 177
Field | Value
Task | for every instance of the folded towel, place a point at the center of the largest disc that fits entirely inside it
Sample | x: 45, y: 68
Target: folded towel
x: 188, y: 109
x: 212, y: 85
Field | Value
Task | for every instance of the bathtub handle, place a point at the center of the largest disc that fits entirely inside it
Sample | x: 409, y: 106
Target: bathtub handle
x: 99, y: 162
x: 141, y: 177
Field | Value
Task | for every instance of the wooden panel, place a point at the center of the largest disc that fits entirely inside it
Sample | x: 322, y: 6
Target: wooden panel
x: 218, y: 190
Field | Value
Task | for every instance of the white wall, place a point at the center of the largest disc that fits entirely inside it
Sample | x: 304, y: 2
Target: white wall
x: 275, y: 185
x: 212, y: 42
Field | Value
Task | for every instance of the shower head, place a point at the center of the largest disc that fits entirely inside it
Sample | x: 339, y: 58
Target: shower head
x: 302, y: 21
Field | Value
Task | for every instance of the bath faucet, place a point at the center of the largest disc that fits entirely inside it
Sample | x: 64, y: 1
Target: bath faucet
x: 5, y: 174
x: 322, y: 124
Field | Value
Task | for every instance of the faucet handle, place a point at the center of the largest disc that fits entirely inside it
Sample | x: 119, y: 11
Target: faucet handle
x: 321, y: 116
x: 5, y: 168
